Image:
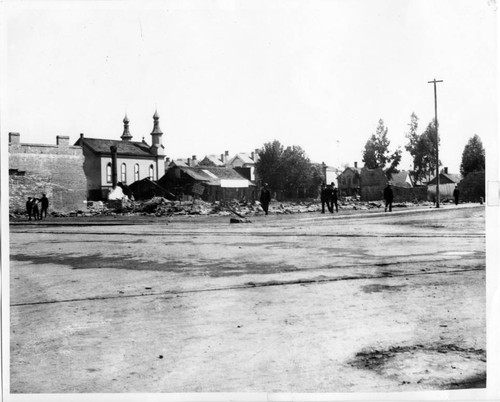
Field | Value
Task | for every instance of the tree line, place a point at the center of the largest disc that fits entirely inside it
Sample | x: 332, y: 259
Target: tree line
x: 289, y: 170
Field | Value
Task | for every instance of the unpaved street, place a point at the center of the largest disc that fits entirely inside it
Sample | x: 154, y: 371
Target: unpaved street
x: 293, y: 303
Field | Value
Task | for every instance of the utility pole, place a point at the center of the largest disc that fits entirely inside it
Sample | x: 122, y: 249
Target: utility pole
x: 437, y: 138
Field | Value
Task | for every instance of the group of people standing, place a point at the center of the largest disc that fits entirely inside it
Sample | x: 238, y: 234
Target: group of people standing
x: 37, y: 207
x: 329, y: 196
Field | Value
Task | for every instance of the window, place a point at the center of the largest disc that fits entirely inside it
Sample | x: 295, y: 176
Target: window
x: 108, y: 173
x: 136, y: 172
x: 151, y: 172
x: 124, y: 173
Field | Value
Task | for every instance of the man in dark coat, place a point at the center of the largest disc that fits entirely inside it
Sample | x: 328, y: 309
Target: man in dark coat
x: 334, y: 198
x: 388, y: 196
x: 325, y: 198
x: 456, y: 194
x: 29, y: 207
x: 44, y: 202
x: 265, y: 198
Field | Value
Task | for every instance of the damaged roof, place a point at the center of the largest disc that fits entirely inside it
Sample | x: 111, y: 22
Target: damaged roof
x: 102, y: 146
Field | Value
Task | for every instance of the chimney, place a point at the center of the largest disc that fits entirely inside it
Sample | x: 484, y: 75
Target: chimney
x: 81, y: 135
x: 355, y: 164
x: 62, y: 141
x: 14, y: 138
x: 222, y: 158
x: 226, y: 156
x: 114, y: 175
x: 194, y: 161
x: 256, y: 153
x: 446, y: 170
x: 253, y: 156
x: 189, y: 161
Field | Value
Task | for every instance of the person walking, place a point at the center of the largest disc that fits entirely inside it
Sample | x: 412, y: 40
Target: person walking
x: 44, y: 202
x: 334, y: 198
x: 29, y: 208
x: 389, y: 197
x: 35, y: 210
x: 265, y: 198
x: 456, y: 194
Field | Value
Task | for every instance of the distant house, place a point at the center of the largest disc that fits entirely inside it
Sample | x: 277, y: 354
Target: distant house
x: 402, y: 179
x: 349, y: 180
x: 208, y: 182
x: 134, y: 160
x: 447, y: 183
x: 330, y: 174
x: 244, y: 163
x: 215, y: 160
x: 373, y: 182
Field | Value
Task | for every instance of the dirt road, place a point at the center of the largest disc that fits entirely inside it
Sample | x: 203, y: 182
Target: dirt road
x: 296, y: 303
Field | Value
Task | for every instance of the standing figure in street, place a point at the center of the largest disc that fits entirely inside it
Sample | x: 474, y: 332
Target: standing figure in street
x: 44, y: 202
x: 388, y: 196
x: 334, y: 198
x: 29, y: 207
x: 456, y: 194
x: 265, y: 198
x: 34, y: 209
x: 325, y: 193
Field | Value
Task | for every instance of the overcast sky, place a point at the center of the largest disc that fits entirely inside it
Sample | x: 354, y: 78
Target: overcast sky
x: 232, y: 75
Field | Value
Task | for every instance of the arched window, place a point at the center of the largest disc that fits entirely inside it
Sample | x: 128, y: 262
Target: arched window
x: 109, y: 179
x: 151, y: 172
x: 124, y: 173
x: 136, y: 172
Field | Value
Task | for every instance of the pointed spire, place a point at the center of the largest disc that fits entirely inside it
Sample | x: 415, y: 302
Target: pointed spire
x: 156, y: 125
x: 126, y: 136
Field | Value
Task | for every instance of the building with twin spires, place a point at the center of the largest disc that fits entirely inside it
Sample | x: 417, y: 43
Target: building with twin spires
x: 133, y: 160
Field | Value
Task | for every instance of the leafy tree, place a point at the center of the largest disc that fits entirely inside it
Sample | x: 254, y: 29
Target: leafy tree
x: 297, y: 171
x: 422, y: 148
x: 473, y: 156
x: 268, y: 167
x: 288, y: 170
x: 376, y: 153
x: 315, y: 182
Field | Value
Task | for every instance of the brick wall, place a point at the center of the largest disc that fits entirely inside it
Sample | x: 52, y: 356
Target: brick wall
x: 56, y: 170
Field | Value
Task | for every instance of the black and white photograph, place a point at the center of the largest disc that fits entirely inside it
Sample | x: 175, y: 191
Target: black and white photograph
x: 235, y: 200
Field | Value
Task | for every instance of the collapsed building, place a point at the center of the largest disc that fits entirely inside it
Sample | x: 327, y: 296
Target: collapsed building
x: 210, y: 183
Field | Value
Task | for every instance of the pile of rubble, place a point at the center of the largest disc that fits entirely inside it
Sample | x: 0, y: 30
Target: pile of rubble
x: 159, y: 206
